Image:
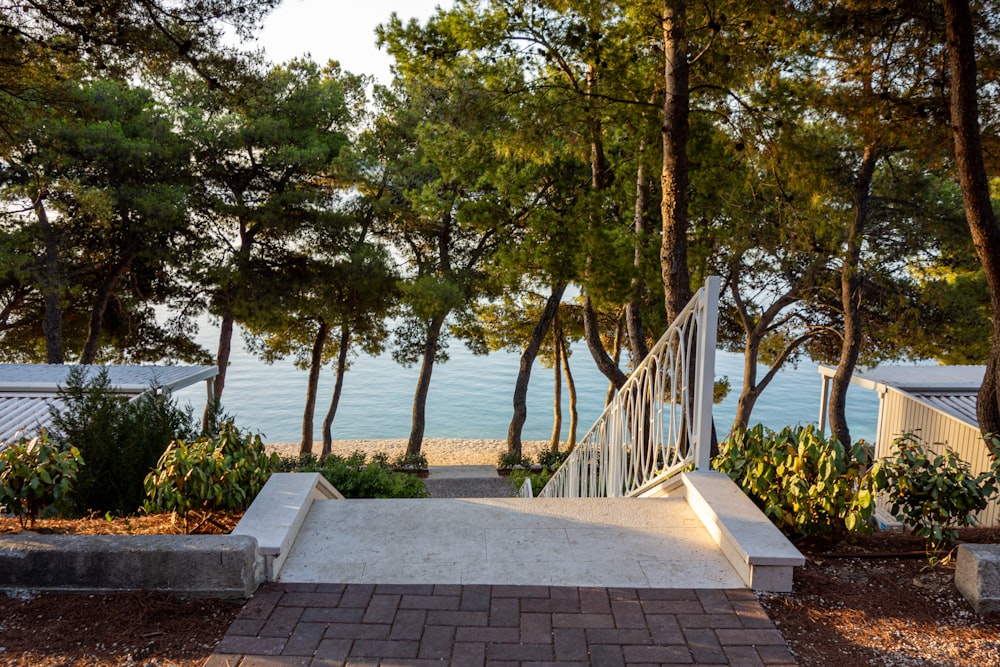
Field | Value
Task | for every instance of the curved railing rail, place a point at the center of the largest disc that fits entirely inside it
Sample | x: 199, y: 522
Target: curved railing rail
x: 660, y: 421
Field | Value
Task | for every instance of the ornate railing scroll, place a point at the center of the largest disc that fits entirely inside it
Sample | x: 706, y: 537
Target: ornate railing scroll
x: 660, y: 421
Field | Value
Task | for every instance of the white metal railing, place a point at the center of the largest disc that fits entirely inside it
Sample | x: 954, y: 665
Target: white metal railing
x: 660, y: 421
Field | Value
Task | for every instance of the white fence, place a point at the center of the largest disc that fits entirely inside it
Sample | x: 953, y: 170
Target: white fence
x: 660, y: 421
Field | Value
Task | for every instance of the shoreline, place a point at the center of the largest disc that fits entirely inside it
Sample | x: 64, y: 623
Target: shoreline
x: 439, y: 451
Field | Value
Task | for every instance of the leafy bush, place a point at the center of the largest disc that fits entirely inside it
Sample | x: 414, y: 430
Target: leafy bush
x: 120, y: 440
x: 935, y: 493
x: 538, y: 479
x: 807, y: 484
x: 355, y: 477
x: 35, y: 475
x: 210, y: 474
x: 551, y: 459
x: 511, y: 459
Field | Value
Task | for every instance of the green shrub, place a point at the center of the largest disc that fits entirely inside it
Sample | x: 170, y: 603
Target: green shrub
x: 935, y: 493
x: 511, y: 459
x: 550, y: 459
x: 356, y: 477
x: 538, y: 479
x: 807, y: 484
x: 34, y: 476
x: 210, y: 474
x: 120, y: 440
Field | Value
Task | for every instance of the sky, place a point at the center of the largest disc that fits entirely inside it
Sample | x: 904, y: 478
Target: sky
x: 338, y: 30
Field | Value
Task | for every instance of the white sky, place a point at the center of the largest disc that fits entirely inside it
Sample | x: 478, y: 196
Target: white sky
x: 338, y: 30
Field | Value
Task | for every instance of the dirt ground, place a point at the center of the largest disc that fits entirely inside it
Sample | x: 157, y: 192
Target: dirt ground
x: 871, y: 602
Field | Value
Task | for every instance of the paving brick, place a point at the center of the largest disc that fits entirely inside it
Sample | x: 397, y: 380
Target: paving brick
x: 310, y: 599
x: 570, y: 643
x: 628, y: 614
x: 409, y: 624
x: 441, y: 617
x: 375, y: 648
x: 405, y: 589
x: 607, y: 655
x: 536, y: 628
x: 437, y: 642
x: 223, y: 660
x: 561, y: 663
x: 411, y: 662
x: 357, y: 595
x: 664, y: 629
x: 505, y: 612
x: 357, y: 631
x: 333, y: 615
x: 304, y: 639
x: 363, y: 662
x: 622, y: 594
x: 651, y: 594
x: 594, y: 601
x: 475, y: 598
x: 776, y: 655
x: 429, y: 602
x: 564, y: 592
x: 281, y: 622
x: 276, y: 661
x: 657, y: 654
x: 334, y: 650
x: 519, y: 652
x: 251, y: 645
x: 488, y: 635
x: 751, y: 614
x: 677, y: 607
x: 261, y: 604
x: 521, y: 592
x: 246, y: 627
x: 551, y: 605
x: 381, y: 609
x: 714, y: 601
x: 745, y: 656
x: 714, y: 621
x: 300, y: 587
x: 705, y: 647
x: 468, y: 653
x: 331, y: 588
x: 619, y: 636
x: 583, y: 621
x: 453, y: 590
x: 750, y: 637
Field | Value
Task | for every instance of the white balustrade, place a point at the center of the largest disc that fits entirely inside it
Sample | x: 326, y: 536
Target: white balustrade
x: 660, y: 421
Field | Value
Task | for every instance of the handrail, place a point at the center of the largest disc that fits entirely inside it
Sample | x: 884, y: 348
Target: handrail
x: 660, y: 421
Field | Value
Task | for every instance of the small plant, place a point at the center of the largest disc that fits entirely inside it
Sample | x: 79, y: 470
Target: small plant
x: 210, y: 474
x: 35, y: 475
x: 410, y: 463
x: 509, y: 460
x: 538, y: 480
x: 357, y: 477
x: 935, y: 493
x: 551, y: 459
x: 807, y: 484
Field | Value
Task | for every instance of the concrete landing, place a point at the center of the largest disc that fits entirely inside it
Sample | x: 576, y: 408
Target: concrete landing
x: 640, y: 543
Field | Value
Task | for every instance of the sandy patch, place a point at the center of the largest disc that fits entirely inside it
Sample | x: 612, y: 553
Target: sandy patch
x: 439, y: 451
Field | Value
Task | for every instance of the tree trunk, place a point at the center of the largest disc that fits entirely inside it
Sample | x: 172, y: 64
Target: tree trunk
x: 100, y: 307
x: 221, y: 360
x: 312, y: 386
x: 674, y: 176
x: 556, y: 387
x: 633, y: 309
x: 850, y: 297
x: 574, y: 417
x: 345, y: 343
x: 51, y: 287
x: 524, y: 370
x: 592, y: 334
x: 975, y: 189
x: 418, y: 418
x: 616, y: 358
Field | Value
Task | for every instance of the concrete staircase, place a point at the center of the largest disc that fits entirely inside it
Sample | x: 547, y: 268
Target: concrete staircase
x: 700, y: 532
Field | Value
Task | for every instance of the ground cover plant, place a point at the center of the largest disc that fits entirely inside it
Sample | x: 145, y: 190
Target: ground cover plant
x: 35, y: 476
x: 356, y: 476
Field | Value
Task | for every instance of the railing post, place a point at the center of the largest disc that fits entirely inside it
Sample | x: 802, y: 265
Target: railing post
x: 707, y: 334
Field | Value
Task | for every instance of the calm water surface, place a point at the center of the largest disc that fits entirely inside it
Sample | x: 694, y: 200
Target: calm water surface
x: 470, y: 396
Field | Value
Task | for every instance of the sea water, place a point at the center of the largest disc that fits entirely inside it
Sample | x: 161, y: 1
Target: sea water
x: 471, y: 396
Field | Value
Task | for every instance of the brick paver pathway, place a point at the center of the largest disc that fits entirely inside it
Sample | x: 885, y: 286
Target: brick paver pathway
x: 399, y: 625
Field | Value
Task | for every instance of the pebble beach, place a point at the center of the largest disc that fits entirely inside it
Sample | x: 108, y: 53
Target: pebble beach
x: 439, y: 451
